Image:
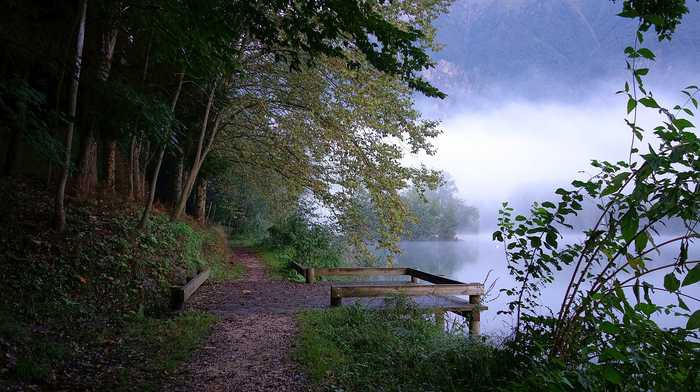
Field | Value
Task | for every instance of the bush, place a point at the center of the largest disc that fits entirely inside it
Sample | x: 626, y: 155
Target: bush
x: 308, y: 243
x: 400, y: 348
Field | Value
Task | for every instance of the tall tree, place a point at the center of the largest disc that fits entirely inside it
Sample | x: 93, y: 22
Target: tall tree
x: 60, y: 210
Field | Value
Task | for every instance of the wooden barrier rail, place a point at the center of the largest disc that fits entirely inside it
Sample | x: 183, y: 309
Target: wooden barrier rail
x: 441, y: 286
x: 180, y: 294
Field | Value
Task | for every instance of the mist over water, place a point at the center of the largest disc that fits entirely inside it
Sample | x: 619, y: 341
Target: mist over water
x: 531, y: 94
x: 532, y: 100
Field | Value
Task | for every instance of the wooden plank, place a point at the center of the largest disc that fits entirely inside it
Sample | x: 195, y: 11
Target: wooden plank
x: 432, y: 303
x: 414, y: 273
x: 298, y: 268
x: 180, y: 294
x: 359, y: 271
x: 340, y: 291
x: 373, y: 283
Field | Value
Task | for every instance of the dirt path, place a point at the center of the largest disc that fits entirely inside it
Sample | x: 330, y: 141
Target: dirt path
x: 250, y: 348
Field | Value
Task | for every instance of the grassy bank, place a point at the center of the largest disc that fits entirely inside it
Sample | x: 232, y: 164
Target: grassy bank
x: 88, y: 307
x: 398, y: 349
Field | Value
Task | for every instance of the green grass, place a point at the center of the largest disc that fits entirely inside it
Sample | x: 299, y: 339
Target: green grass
x: 278, y: 264
x: 161, y: 345
x: 398, y: 349
x: 226, y: 271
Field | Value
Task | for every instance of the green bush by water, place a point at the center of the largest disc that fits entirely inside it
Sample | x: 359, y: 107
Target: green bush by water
x: 397, y: 349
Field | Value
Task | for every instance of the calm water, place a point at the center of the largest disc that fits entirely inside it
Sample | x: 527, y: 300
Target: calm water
x: 474, y: 257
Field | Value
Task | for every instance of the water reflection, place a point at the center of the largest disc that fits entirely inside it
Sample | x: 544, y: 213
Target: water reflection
x: 476, y: 256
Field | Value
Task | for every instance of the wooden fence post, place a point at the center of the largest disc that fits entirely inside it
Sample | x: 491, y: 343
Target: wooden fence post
x: 310, y: 275
x: 336, y: 299
x: 475, y: 322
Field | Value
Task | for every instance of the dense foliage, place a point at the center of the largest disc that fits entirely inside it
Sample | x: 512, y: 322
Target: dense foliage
x: 627, y: 270
x: 397, y: 349
x: 306, y: 242
x: 71, y: 297
x: 158, y: 101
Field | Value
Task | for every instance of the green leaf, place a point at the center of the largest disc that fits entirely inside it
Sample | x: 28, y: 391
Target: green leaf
x: 548, y: 204
x: 649, y: 102
x: 693, y: 276
x: 551, y: 239
x: 671, y: 283
x: 694, y: 321
x: 682, y: 124
x: 631, y: 104
x: 647, y: 309
x: 630, y: 224
x: 613, y: 375
x: 615, y: 184
x: 609, y: 328
x: 646, y: 53
x: 640, y: 243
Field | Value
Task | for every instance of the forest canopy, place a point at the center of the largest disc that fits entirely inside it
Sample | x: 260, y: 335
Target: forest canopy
x: 174, y: 103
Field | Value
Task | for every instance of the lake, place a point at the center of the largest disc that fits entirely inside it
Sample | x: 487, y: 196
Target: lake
x: 475, y: 256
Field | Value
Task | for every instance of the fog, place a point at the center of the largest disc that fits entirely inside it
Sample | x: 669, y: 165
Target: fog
x: 517, y: 136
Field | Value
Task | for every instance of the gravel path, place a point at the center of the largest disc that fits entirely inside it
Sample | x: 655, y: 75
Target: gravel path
x: 250, y: 348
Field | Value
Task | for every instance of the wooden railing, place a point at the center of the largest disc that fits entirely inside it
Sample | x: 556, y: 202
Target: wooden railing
x: 439, y: 286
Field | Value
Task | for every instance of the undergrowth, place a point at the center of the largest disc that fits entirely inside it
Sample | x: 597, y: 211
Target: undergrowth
x: 70, y: 298
x: 397, y: 349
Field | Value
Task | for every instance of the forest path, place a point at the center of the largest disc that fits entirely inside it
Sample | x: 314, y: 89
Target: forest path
x: 250, y: 348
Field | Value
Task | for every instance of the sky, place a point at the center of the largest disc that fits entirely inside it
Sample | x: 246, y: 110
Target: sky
x: 531, y: 94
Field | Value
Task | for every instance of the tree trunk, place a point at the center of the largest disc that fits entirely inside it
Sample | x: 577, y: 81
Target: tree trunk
x: 132, y: 151
x: 137, y: 171
x: 201, y: 210
x: 178, y: 178
x: 88, y: 167
x: 156, y: 171
x: 152, y: 193
x: 87, y: 181
x: 60, y: 211
x: 111, y: 166
x: 146, y: 151
x: 109, y: 42
x: 198, y: 160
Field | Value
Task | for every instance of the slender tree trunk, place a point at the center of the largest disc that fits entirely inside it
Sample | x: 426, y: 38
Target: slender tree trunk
x: 146, y: 152
x: 109, y: 43
x: 199, y: 158
x: 178, y: 178
x: 136, y: 175
x: 88, y: 166
x: 111, y: 166
x: 60, y: 211
x: 132, y: 150
x: 161, y: 154
x: 152, y: 192
x: 201, y: 208
x: 209, y: 212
